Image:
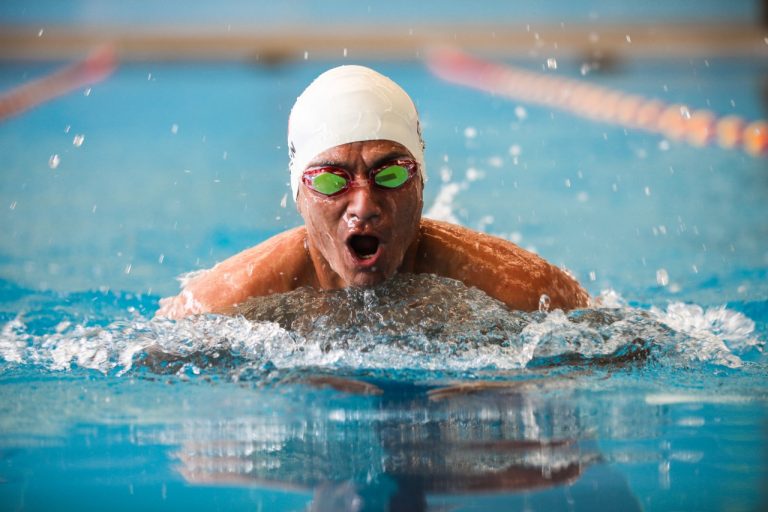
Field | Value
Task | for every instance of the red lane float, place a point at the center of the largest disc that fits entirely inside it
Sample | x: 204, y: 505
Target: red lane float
x: 677, y: 122
x: 98, y: 65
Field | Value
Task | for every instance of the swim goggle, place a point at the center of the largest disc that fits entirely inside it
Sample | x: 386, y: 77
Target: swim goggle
x: 332, y: 181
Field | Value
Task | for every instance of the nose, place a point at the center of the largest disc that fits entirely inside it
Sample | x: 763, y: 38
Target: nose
x: 362, y: 205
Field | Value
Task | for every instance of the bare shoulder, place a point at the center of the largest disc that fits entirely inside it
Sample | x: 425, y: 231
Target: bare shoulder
x: 500, y: 268
x: 278, y: 264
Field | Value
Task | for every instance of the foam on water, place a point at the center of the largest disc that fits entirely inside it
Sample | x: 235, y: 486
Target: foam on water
x: 419, y: 322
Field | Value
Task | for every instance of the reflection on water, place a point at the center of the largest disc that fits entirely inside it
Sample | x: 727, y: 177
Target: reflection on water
x: 410, y: 443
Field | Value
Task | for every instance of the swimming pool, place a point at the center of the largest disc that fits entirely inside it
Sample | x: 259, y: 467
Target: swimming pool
x: 167, y: 168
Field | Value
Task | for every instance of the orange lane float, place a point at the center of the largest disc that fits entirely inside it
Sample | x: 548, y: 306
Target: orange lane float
x: 676, y: 122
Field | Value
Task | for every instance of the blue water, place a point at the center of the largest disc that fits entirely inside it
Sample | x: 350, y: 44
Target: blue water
x: 183, y: 165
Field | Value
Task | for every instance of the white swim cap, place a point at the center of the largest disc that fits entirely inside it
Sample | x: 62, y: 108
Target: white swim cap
x: 350, y: 104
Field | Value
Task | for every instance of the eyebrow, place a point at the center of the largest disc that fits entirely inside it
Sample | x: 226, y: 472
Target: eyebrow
x: 392, y: 155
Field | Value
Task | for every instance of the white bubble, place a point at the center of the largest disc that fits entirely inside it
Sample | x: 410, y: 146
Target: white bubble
x: 473, y: 174
x: 495, y: 161
x: 544, y: 303
x: 470, y: 132
x: 551, y: 63
x: 662, y: 277
x: 174, y: 128
x: 78, y: 140
x: 520, y: 113
x: 53, y: 161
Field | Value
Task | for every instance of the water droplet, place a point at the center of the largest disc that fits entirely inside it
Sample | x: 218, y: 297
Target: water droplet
x: 161, y: 258
x: 585, y: 68
x: 53, y: 161
x: 582, y: 197
x: 515, y: 150
x: 67, y: 128
x: 13, y: 205
x: 473, y: 174
x: 766, y: 40
x: 629, y: 39
x: 495, y: 161
x: 647, y: 191
x: 128, y: 268
x: 662, y: 277
x: 149, y: 76
x: 544, y: 303
x: 40, y: 32
x: 93, y: 210
x: 284, y: 201
x: 345, y: 52
x: 306, y: 55
x: 520, y: 113
x: 551, y: 63
x: 470, y: 132
x: 695, y: 269
x: 174, y: 128
x: 594, y: 37
x: 664, y: 145
x: 733, y: 103
x: 78, y: 140
x: 224, y: 155
x: 685, y: 113
x: 568, y: 183
x: 592, y: 275
x: 87, y: 92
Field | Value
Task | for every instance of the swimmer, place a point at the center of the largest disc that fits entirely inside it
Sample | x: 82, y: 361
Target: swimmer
x: 357, y: 176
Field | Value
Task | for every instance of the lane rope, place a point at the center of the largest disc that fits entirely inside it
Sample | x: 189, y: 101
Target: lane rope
x: 675, y: 121
x: 95, y: 67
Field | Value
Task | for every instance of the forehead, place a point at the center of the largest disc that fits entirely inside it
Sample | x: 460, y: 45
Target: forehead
x: 369, y: 151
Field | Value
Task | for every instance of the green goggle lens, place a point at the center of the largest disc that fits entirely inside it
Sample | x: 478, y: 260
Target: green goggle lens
x: 328, y: 183
x: 391, y: 177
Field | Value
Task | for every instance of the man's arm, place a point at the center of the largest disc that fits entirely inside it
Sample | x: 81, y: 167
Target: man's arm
x: 279, y: 264
x: 498, y: 267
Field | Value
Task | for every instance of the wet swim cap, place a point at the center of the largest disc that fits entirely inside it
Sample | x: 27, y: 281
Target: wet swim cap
x: 350, y: 104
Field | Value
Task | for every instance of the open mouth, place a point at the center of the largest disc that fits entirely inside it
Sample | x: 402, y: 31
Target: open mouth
x: 363, y: 246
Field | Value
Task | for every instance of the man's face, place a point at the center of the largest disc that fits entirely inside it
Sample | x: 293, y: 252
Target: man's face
x: 363, y: 233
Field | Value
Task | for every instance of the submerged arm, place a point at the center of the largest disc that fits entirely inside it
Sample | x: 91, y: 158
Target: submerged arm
x: 276, y: 265
x: 500, y: 268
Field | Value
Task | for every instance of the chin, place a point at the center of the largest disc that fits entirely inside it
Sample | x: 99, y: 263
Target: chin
x: 366, y: 279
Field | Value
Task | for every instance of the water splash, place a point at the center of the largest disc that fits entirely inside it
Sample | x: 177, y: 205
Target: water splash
x: 411, y: 322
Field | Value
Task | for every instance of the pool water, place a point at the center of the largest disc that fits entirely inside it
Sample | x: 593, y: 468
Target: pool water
x: 654, y: 399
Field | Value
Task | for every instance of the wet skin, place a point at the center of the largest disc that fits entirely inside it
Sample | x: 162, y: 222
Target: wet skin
x: 361, y: 236
x: 328, y: 252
